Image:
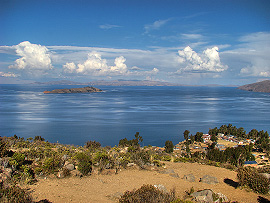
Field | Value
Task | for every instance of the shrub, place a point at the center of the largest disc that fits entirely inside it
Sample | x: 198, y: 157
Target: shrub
x: 66, y: 172
x: 3, y: 147
x: 84, y: 163
x: 14, y: 194
x: 147, y: 193
x: 39, y: 138
x: 92, y: 145
x: 17, y: 160
x: 51, y: 164
x: 248, y: 176
x: 103, y: 160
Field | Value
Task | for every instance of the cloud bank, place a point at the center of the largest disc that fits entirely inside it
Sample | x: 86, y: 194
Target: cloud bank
x: 32, y: 57
x: 208, y: 61
x: 96, y: 66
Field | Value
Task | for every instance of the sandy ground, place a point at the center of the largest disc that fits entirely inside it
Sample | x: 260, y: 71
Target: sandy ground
x: 97, y: 188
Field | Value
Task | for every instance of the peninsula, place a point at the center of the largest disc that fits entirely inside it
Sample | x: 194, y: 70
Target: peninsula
x: 263, y: 86
x: 73, y: 90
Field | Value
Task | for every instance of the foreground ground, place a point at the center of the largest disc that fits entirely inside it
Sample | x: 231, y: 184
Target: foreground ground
x: 100, y: 188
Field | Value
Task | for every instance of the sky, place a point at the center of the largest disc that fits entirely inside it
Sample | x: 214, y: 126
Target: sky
x: 193, y: 42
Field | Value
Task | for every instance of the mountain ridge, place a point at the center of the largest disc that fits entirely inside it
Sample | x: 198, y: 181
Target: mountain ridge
x: 263, y: 86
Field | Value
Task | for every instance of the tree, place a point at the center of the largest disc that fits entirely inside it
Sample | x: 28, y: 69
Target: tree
x: 169, y: 146
x: 186, y: 133
x: 199, y: 137
x: 214, y: 138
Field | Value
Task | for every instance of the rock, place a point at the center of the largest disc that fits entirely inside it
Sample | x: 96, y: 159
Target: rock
x: 60, y: 174
x: 221, y: 197
x: 131, y: 164
x: 116, y: 196
x: 209, y: 179
x: 189, y: 177
x: 204, y: 196
x: 70, y: 167
x: 73, y: 90
x: 107, y: 172
x: 65, y: 157
x: 175, y: 175
x: 167, y: 171
x: 161, y: 187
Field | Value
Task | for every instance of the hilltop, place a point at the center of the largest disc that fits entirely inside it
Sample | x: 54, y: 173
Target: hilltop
x: 263, y: 86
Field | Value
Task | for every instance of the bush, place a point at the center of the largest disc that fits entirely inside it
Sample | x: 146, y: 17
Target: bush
x: 84, y: 163
x: 51, y: 164
x: 248, y: 176
x: 3, y: 147
x: 147, y: 193
x: 92, y: 145
x: 103, y: 160
x: 10, y: 194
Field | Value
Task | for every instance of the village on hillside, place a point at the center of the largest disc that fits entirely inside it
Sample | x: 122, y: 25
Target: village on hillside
x: 223, y: 142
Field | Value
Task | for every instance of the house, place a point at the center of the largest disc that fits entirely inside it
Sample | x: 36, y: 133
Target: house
x: 250, y: 163
x: 206, y: 137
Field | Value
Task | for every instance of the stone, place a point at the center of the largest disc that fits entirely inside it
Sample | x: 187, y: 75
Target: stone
x: 221, y: 197
x: 162, y: 188
x: 131, y: 164
x: 70, y: 167
x: 167, y: 171
x: 116, y: 196
x: 60, y: 174
x: 189, y: 177
x: 209, y: 179
x: 203, y: 196
x: 175, y: 175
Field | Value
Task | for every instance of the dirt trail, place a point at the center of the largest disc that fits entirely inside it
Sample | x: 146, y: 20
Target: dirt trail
x: 97, y: 188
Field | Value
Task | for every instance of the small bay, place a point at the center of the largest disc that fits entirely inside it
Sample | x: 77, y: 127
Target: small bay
x: 158, y: 113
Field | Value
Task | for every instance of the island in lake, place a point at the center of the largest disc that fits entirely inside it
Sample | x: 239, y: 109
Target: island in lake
x: 73, y: 90
x: 263, y: 86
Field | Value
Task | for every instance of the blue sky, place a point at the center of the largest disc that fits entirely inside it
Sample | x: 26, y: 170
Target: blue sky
x: 188, y: 42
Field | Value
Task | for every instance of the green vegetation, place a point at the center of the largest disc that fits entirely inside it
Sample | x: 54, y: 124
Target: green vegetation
x: 250, y: 177
x: 147, y: 193
x: 24, y: 161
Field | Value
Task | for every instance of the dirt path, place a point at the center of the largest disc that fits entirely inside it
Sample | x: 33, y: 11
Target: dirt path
x: 97, y: 188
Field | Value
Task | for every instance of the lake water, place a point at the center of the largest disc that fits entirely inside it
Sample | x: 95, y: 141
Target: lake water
x: 158, y: 113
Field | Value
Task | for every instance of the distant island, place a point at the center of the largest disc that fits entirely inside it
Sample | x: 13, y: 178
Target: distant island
x: 263, y: 86
x: 73, y: 90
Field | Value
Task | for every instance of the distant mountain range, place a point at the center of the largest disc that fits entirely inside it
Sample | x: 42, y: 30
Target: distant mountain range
x: 263, y: 86
x: 118, y: 83
x: 110, y: 83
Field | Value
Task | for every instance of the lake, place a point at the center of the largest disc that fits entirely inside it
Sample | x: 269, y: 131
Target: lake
x: 157, y: 113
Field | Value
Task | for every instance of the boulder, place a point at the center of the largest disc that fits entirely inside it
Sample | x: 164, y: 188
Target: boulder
x: 189, y: 177
x: 204, y: 196
x: 70, y: 167
x: 167, y: 171
x: 162, y: 188
x: 175, y: 175
x: 209, y: 179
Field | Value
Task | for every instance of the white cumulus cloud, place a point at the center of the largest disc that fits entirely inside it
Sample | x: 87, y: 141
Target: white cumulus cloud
x: 95, y: 65
x: 9, y: 74
x: 32, y: 57
x: 208, y: 61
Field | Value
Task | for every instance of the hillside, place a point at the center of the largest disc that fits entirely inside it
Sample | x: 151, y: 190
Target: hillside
x: 263, y: 86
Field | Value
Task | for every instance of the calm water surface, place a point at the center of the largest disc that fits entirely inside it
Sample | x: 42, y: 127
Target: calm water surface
x: 158, y: 113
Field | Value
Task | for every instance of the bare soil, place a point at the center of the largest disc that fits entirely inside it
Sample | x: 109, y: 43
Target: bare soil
x: 101, y: 188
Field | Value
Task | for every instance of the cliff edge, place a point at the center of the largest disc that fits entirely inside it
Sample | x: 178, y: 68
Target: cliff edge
x: 73, y: 90
x: 263, y: 86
